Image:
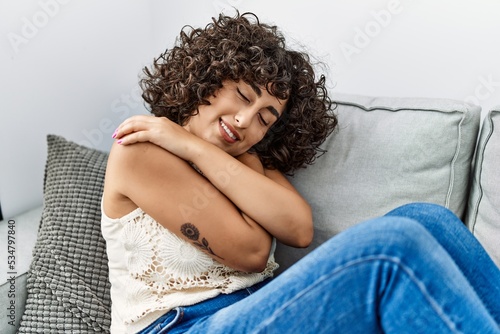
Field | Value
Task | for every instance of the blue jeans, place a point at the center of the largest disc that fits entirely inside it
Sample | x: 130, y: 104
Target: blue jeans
x: 416, y: 270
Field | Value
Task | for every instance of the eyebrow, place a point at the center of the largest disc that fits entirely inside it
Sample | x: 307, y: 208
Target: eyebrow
x: 273, y: 110
x: 256, y: 90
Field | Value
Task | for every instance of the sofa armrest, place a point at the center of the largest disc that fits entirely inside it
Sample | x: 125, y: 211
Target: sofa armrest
x: 23, y: 230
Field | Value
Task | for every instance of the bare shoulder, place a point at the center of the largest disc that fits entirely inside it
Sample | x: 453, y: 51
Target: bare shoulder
x: 132, y: 167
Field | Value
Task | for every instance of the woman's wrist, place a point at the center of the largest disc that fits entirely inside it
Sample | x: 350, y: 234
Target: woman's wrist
x: 196, y: 150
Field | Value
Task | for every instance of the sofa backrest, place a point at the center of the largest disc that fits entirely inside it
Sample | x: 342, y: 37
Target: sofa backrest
x: 483, y: 214
x: 387, y: 152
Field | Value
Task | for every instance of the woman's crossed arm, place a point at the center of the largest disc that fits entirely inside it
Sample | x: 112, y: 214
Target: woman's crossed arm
x: 233, y: 208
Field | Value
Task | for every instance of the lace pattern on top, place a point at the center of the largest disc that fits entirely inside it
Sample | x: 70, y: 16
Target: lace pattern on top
x: 161, y: 266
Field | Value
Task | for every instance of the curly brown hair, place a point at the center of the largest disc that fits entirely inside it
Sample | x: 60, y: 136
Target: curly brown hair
x: 241, y: 48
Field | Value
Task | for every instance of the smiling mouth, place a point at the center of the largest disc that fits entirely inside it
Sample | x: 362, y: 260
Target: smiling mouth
x: 227, y: 130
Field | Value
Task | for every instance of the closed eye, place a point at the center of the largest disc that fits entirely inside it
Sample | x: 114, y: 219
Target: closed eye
x: 242, y: 96
x: 263, y: 120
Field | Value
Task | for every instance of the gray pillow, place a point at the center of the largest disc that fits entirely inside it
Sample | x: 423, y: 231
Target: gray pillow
x: 483, y: 213
x: 67, y: 284
x: 387, y: 152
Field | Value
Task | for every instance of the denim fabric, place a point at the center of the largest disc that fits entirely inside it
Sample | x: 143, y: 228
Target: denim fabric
x: 415, y: 270
x: 181, y: 319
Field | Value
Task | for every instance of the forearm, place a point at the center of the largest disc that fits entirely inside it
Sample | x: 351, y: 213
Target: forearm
x: 278, y: 209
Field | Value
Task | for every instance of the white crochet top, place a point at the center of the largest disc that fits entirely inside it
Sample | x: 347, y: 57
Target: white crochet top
x: 152, y: 271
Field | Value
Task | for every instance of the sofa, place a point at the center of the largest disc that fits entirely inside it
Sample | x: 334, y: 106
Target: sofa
x: 384, y: 153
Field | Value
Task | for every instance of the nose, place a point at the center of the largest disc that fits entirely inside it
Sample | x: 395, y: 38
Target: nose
x: 243, y: 118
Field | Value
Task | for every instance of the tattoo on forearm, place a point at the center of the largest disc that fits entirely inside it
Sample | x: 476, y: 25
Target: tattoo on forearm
x: 191, y: 232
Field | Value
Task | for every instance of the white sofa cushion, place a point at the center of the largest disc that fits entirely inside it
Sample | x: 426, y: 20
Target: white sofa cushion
x: 483, y: 214
x: 387, y: 152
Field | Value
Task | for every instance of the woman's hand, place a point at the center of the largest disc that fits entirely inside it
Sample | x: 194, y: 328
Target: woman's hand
x: 160, y: 131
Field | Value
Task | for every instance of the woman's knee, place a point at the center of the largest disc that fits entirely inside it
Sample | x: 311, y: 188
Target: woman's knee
x: 419, y: 209
x: 382, y: 235
x: 441, y: 223
x: 434, y: 217
x: 382, y: 239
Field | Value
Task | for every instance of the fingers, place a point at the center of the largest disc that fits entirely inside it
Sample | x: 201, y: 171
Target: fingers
x: 157, y: 130
x: 131, y: 130
x: 131, y: 124
x: 134, y: 137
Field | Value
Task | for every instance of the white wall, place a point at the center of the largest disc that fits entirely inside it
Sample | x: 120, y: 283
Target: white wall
x: 76, y: 76
x: 443, y: 48
x: 66, y: 68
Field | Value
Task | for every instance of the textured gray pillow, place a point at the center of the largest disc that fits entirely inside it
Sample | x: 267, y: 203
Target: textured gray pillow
x: 387, y: 152
x: 68, y: 287
x: 483, y: 213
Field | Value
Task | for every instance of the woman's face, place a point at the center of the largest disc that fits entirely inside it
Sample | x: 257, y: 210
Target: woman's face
x: 238, y: 117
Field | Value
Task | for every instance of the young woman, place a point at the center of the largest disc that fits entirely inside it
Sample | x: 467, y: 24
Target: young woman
x: 194, y: 198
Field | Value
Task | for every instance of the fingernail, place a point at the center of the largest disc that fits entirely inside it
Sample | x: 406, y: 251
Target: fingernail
x: 120, y: 141
x: 114, y: 134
